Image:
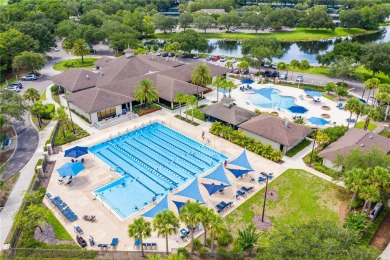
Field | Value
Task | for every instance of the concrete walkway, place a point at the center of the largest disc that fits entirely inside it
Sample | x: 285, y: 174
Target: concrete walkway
x: 26, y: 174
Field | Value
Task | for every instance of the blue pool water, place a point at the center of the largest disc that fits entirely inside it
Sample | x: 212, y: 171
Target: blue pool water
x: 151, y: 160
x: 271, y: 98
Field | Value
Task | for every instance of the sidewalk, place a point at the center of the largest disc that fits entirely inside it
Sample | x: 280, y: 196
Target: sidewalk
x: 26, y: 174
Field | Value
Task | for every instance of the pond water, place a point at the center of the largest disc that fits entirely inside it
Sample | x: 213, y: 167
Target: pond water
x: 293, y: 50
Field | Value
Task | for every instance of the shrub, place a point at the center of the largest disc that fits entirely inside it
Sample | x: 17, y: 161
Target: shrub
x: 222, y: 253
x: 208, y: 241
x: 225, y: 238
x: 326, y: 170
x: 54, y: 89
x: 49, y: 111
x: 239, y: 138
x: 203, y: 252
x: 257, y: 111
x: 305, y: 65
x: 184, y: 252
x: 197, y: 244
x: 335, y: 132
x: 299, y: 147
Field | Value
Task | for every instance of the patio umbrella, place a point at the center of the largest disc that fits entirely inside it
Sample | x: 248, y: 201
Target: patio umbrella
x: 297, y: 109
x: 247, y: 81
x: 313, y: 93
x: 317, y: 120
x: 76, y: 151
x: 70, y: 169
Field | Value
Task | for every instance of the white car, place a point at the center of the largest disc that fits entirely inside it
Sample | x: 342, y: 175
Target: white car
x: 223, y: 59
x: 56, y: 49
x: 12, y: 87
x: 158, y: 53
x: 29, y: 77
x: 233, y: 60
x: 299, y: 78
x: 273, y: 66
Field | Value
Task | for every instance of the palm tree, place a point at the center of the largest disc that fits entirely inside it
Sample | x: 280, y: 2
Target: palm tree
x: 248, y: 237
x: 351, y: 106
x: 217, y: 83
x: 31, y: 94
x: 209, y: 220
x: 62, y: 117
x: 216, y: 226
x: 371, y: 114
x: 37, y: 109
x: 371, y: 84
x: 382, y: 98
x: 179, y: 98
x: 230, y: 85
x: 201, y: 76
x: 185, y: 99
x: 229, y: 65
x: 166, y: 223
x: 353, y: 181
x: 191, y: 215
x: 140, y: 229
x: 80, y: 48
x: 146, y: 92
x: 358, y: 110
x: 243, y: 65
x: 225, y: 86
x: 191, y: 101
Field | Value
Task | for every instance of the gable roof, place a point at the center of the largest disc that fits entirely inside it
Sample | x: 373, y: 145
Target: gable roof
x: 354, y: 138
x: 97, y: 99
x: 75, y: 79
x: 230, y: 114
x: 274, y: 128
x: 103, y: 62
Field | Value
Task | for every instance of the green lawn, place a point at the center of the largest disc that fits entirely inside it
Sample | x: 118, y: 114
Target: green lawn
x: 43, y: 96
x: 299, y: 147
x: 299, y: 34
x: 303, y: 197
x: 370, y: 127
x: 59, y: 231
x: 197, y: 114
x: 44, y: 123
x: 74, y: 63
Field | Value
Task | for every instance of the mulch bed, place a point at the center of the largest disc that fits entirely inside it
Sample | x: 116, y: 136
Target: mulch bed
x: 272, y: 195
x: 263, y: 226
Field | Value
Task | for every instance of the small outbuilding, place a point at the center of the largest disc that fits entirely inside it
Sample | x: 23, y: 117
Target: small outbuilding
x: 353, y: 138
x: 227, y: 112
x: 279, y: 133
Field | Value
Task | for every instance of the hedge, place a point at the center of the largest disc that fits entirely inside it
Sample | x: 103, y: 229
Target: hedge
x: 49, y: 111
x: 239, y: 138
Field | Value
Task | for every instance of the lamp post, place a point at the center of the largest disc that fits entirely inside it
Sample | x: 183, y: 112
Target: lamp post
x: 314, y: 143
x: 70, y: 114
x: 265, y: 194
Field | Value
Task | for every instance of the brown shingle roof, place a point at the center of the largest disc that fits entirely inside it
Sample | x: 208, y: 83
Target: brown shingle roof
x: 184, y: 72
x: 354, y: 138
x: 75, y: 79
x: 274, y: 128
x: 230, y: 114
x: 96, y: 99
x: 103, y: 62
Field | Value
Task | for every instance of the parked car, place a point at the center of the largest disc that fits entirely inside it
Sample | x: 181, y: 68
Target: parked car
x: 233, y: 30
x: 171, y: 54
x: 283, y: 76
x: 245, y: 72
x: 17, y: 84
x: 223, y: 59
x: 215, y: 58
x: 209, y: 58
x: 164, y: 54
x: 275, y: 74
x: 221, y: 28
x: 13, y: 87
x: 158, y: 53
x: 173, y: 31
x: 273, y: 65
x: 267, y: 65
x: 267, y: 73
x: 184, y: 55
x: 299, y: 78
x: 29, y: 77
x: 233, y: 60
x: 236, y: 71
x: 196, y: 56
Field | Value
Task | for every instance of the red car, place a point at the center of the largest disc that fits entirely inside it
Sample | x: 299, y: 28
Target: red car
x: 215, y: 58
x: 236, y: 71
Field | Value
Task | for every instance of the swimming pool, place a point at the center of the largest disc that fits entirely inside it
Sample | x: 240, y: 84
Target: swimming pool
x: 270, y: 98
x: 151, y: 161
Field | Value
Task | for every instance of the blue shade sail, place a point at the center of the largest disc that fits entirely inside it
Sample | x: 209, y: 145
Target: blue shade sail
x: 192, y: 191
x: 178, y: 205
x: 242, y: 161
x: 162, y: 205
x: 212, y: 188
x: 218, y: 174
x: 238, y: 172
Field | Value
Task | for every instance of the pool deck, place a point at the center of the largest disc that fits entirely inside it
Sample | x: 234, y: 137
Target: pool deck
x: 337, y: 116
x: 80, y: 199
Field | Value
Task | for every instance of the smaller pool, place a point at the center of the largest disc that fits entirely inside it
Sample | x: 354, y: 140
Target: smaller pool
x: 270, y: 98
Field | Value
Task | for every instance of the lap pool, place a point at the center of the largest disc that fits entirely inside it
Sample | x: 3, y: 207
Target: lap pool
x: 151, y: 161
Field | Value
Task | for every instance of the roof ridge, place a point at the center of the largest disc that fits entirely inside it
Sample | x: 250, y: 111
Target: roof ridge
x: 94, y: 99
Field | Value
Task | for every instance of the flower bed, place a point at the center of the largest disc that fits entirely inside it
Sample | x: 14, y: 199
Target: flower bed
x: 146, y: 110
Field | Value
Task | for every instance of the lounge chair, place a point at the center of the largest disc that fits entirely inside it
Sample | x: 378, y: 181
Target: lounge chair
x: 352, y: 120
x: 184, y: 232
x: 225, y: 205
x: 220, y: 208
x: 114, y: 242
x: 91, y: 240
x: 48, y: 195
x: 137, y: 243
x: 261, y: 179
x: 247, y: 189
x: 78, y: 230
x: 103, y: 246
x: 240, y: 193
x: 339, y: 105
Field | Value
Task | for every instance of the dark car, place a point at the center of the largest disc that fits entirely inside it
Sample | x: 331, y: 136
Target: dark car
x: 164, y: 54
x: 267, y: 73
x: 171, y: 54
x: 81, y: 242
x: 245, y: 72
x: 275, y: 74
x: 184, y: 55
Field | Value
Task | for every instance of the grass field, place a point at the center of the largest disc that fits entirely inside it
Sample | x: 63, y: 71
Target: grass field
x: 59, y: 231
x: 299, y: 34
x: 74, y: 63
x: 370, y: 127
x: 302, y: 197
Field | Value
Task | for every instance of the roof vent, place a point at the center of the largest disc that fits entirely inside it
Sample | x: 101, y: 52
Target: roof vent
x: 87, y: 77
x: 286, y: 124
x: 370, y: 137
x: 101, y: 74
x: 361, y: 145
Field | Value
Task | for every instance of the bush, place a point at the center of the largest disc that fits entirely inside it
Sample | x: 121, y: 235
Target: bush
x: 239, y: 138
x: 299, y: 147
x: 203, y: 253
x: 225, y: 238
x: 208, y: 241
x: 326, y: 170
x: 222, y: 253
x: 49, y: 112
x: 335, y: 132
x: 184, y: 252
x: 197, y: 244
x: 54, y: 89
x: 257, y: 111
